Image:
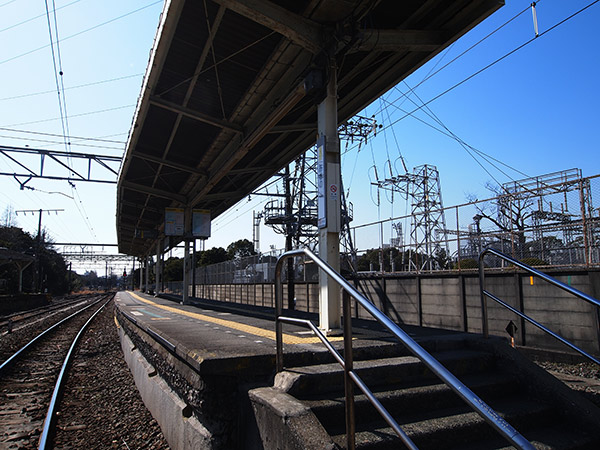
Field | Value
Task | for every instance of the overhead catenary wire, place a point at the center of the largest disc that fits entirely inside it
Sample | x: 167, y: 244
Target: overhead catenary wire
x: 89, y: 113
x: 52, y: 91
x: 31, y: 19
x: 82, y: 211
x: 433, y: 73
x: 87, y: 30
x: 7, y: 3
x: 81, y: 138
x: 29, y: 139
x: 449, y: 133
x: 58, y: 75
x: 496, y: 61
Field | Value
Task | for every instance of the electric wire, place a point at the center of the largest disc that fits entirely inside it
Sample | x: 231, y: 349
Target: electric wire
x: 89, y: 113
x: 449, y: 133
x: 79, y: 33
x: 56, y: 61
x: 7, y: 3
x: 484, y: 156
x: 18, y: 97
x: 496, y: 61
x: 31, y: 19
x: 219, y: 225
x: 83, y: 213
x: 469, y: 49
x: 28, y: 139
x: 39, y: 133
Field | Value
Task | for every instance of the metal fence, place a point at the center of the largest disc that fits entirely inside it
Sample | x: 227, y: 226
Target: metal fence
x: 250, y: 269
x: 539, y: 223
x: 550, y: 221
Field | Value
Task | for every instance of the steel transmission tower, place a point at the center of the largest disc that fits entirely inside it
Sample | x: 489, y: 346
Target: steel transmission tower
x: 428, y: 233
x: 295, y: 213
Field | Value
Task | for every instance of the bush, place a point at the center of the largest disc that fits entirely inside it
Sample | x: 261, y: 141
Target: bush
x: 534, y: 262
x: 468, y: 263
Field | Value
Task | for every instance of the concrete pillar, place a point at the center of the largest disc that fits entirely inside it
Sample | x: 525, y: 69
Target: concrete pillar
x: 329, y: 203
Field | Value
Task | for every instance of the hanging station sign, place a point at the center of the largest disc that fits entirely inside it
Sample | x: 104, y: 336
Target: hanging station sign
x: 201, y: 223
x: 174, y: 221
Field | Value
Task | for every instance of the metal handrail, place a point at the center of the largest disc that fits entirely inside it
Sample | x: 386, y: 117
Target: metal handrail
x: 565, y: 287
x: 489, y: 415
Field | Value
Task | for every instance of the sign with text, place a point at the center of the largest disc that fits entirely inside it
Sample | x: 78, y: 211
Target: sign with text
x: 174, y: 221
x: 321, y: 199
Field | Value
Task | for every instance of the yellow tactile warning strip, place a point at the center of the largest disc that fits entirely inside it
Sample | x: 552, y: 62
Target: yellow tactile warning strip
x: 249, y: 329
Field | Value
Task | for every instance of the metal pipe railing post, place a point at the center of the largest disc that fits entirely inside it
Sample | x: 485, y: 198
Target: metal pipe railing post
x: 571, y: 290
x: 484, y: 315
x: 348, y: 368
x: 488, y: 414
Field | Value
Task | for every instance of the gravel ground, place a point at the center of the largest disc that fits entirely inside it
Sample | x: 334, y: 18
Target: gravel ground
x: 583, y: 377
x: 102, y: 408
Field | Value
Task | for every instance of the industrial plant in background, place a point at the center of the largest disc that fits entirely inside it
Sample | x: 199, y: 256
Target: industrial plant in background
x: 548, y: 220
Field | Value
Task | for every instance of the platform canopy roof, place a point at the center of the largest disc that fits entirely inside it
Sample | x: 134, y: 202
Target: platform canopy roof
x: 231, y: 92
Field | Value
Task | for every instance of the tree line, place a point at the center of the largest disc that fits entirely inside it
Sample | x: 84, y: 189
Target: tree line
x: 49, y: 273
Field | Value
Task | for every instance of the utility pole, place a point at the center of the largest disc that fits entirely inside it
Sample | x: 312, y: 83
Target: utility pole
x: 39, y: 239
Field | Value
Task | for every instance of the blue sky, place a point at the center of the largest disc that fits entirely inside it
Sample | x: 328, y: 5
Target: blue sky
x: 536, y: 110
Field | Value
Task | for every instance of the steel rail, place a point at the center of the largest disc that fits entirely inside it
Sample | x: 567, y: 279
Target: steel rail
x: 565, y: 287
x: 45, y: 441
x: 489, y: 415
x: 15, y: 355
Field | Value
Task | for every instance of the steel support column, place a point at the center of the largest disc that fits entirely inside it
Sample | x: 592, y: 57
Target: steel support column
x: 329, y: 203
x: 157, y: 268
x: 185, y: 295
x: 147, y: 270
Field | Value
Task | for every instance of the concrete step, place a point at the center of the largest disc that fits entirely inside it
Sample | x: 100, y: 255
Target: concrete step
x: 305, y: 381
x: 447, y: 428
x: 411, y: 397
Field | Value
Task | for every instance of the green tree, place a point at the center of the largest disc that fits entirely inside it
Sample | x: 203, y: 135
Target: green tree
x: 53, y: 271
x: 240, y: 249
x: 211, y: 256
x: 173, y: 269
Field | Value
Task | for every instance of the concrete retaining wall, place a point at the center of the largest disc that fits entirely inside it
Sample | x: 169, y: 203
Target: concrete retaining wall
x: 452, y: 301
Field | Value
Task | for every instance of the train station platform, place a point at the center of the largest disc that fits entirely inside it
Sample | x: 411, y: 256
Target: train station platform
x: 209, y: 354
x: 219, y: 336
x: 206, y: 372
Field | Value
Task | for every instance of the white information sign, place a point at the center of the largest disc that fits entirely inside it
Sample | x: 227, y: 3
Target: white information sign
x: 174, y: 221
x: 321, y: 204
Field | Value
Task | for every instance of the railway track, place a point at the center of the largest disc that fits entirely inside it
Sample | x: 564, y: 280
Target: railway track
x: 30, y: 380
x: 17, y: 329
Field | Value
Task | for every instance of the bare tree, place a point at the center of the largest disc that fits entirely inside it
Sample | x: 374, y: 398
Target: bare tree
x: 510, y: 212
x: 9, y: 218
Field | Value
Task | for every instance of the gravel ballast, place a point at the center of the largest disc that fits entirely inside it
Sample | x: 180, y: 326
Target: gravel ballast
x: 102, y: 408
